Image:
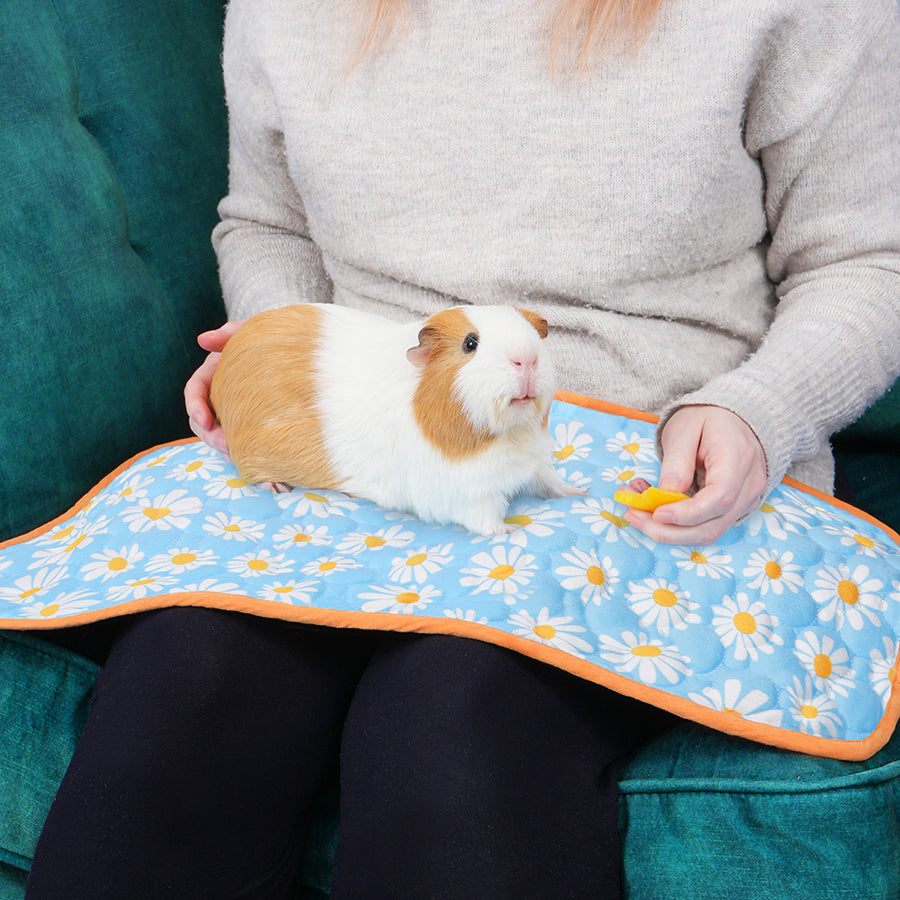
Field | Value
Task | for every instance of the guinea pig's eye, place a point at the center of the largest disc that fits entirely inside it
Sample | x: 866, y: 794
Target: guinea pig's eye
x: 470, y: 343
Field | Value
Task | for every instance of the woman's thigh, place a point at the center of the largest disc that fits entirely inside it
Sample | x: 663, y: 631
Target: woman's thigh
x: 208, y: 737
x: 471, y: 771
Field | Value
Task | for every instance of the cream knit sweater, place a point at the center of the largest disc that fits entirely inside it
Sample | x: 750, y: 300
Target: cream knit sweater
x: 713, y: 220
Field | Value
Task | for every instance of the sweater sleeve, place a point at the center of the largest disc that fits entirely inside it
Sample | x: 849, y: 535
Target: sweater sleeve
x: 265, y: 253
x: 831, y: 157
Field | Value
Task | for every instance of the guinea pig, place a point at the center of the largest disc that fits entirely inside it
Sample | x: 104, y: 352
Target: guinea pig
x: 446, y: 418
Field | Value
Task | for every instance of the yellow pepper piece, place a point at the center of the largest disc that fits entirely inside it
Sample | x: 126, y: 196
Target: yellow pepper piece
x: 649, y: 499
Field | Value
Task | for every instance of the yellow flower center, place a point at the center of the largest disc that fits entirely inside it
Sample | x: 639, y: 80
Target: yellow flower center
x: 808, y: 711
x: 316, y: 498
x: 141, y: 582
x: 647, y: 650
x: 117, y: 564
x: 545, y: 632
x: 501, y: 573
x: 75, y: 543
x: 848, y: 592
x: 767, y: 508
x: 64, y: 533
x: 564, y: 452
x: 258, y: 565
x: 631, y: 448
x: 328, y: 566
x: 595, y: 575
x: 373, y: 542
x: 698, y: 557
x: 232, y: 528
x: 745, y: 623
x: 408, y: 597
x: 772, y: 569
x: 193, y: 466
x: 302, y: 538
x: 864, y: 541
x: 29, y: 593
x: 665, y: 597
x: 822, y: 665
x: 521, y: 521
x: 155, y: 513
x: 626, y: 475
x: 417, y: 559
x: 613, y: 519
x: 236, y: 482
x: 284, y: 589
x: 50, y: 610
x: 182, y: 559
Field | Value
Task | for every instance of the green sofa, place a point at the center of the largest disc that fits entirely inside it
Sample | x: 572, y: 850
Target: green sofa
x: 112, y: 159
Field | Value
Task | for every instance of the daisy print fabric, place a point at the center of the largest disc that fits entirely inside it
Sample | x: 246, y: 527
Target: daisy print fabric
x: 786, y: 631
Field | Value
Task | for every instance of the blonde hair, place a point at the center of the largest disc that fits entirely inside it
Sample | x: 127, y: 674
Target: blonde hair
x: 578, y: 28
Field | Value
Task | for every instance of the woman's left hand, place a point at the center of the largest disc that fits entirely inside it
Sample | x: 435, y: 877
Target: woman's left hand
x: 717, y: 450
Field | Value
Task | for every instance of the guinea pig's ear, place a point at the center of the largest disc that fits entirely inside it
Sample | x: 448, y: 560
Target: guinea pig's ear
x: 539, y: 322
x: 420, y: 354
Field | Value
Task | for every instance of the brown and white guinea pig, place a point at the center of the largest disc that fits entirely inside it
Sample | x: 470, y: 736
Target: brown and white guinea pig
x: 445, y: 418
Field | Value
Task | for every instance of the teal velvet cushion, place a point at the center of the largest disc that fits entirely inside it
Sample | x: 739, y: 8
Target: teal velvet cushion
x: 112, y: 159
x: 44, y: 694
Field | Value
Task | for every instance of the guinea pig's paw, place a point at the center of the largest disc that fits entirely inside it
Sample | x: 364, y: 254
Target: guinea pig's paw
x: 278, y: 487
x: 547, y: 484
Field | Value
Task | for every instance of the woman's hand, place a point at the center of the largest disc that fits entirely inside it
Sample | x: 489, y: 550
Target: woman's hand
x: 716, y: 449
x: 196, y: 392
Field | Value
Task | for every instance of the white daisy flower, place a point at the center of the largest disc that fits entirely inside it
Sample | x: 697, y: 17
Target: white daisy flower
x: 170, y: 510
x: 466, y: 615
x: 663, y: 604
x: 55, y: 548
x: 814, y: 712
x: 602, y: 517
x: 207, y: 586
x: 704, y: 561
x: 31, y: 586
x: 233, y: 528
x: 301, y: 536
x: 861, y: 544
x: 327, y: 565
x: 202, y: 468
x: 745, y: 626
x: 779, y: 518
x: 110, y: 563
x: 587, y: 573
x: 651, y: 658
x: 179, y: 560
x: 506, y: 571
x: 228, y: 486
x: 69, y: 604
x: 535, y: 521
x: 261, y: 562
x: 131, y: 488
x: 421, y: 565
x: 395, y: 598
x: 553, y: 631
x: 883, y: 668
x: 321, y: 504
x: 358, y: 542
x: 138, y: 588
x: 571, y: 441
x: 848, y: 595
x: 826, y: 663
x: 622, y: 476
x: 155, y: 461
x: 769, y: 570
x: 632, y: 447
x: 290, y: 591
x: 755, y: 705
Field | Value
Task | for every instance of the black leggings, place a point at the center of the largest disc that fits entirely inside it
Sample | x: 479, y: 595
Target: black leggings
x: 466, y: 770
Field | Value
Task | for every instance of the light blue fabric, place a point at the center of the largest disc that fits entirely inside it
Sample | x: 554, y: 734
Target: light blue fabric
x: 790, y: 622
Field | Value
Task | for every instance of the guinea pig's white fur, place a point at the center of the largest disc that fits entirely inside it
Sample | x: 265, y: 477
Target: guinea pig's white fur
x: 446, y: 419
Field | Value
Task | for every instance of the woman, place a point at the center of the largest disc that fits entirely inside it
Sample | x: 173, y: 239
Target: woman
x: 701, y: 198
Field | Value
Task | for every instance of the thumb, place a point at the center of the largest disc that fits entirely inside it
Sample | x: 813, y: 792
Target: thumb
x: 680, y: 441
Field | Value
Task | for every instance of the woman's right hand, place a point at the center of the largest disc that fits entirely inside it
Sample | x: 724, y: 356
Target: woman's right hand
x: 196, y: 392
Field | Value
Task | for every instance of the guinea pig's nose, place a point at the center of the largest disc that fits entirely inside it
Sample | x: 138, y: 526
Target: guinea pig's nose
x: 525, y: 362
